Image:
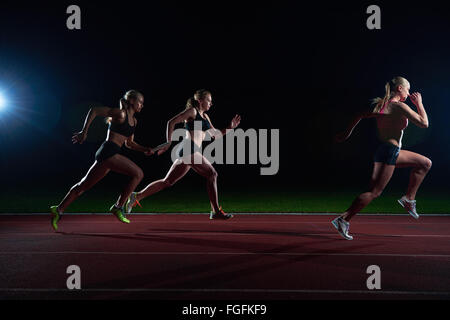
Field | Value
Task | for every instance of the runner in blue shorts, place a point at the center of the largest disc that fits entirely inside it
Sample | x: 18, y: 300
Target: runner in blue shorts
x: 392, y: 116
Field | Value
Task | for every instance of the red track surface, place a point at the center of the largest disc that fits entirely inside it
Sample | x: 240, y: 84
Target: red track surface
x: 188, y: 257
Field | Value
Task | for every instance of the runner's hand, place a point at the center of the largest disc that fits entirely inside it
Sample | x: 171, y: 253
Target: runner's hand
x: 161, y: 151
x: 149, y: 152
x: 235, y: 121
x: 79, y: 137
x: 416, y: 98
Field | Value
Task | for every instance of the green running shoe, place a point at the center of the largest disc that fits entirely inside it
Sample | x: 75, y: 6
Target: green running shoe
x: 55, y: 217
x: 118, y: 212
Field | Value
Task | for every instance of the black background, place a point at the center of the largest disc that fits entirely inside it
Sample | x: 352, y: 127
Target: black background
x: 302, y: 68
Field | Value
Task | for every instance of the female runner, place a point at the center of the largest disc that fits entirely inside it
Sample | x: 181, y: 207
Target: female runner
x: 196, y: 109
x: 392, y: 116
x: 120, y: 132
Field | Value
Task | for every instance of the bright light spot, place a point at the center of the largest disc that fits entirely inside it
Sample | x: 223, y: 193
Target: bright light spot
x: 2, y: 101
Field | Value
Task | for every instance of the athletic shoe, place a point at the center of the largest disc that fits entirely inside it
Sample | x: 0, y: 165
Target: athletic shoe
x: 118, y: 212
x: 409, y: 205
x: 342, y: 227
x: 132, y: 202
x: 56, y: 216
x: 220, y: 215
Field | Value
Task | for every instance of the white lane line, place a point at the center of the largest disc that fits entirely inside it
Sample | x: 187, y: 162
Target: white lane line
x: 374, y: 214
x: 222, y: 233
x: 239, y: 222
x: 370, y: 292
x: 227, y: 253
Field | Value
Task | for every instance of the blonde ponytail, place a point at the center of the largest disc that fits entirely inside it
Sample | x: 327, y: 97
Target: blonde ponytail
x: 380, y: 102
x: 124, y: 102
x: 390, y: 90
x: 192, y: 103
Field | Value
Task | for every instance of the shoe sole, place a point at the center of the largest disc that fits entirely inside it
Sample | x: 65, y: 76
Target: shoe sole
x: 336, y: 225
x: 414, y: 215
x: 123, y: 221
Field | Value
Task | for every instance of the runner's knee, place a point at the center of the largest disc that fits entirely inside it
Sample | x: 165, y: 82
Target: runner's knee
x: 139, y: 174
x: 213, y: 175
x: 168, y: 183
x: 376, y: 193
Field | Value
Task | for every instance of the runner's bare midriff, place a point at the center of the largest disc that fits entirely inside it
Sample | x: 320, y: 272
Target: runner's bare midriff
x: 116, y: 138
x: 197, y: 136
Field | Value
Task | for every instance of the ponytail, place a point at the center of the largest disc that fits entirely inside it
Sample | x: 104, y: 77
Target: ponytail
x: 390, y: 90
x: 192, y: 103
x: 380, y: 102
x: 123, y: 105
x: 124, y: 102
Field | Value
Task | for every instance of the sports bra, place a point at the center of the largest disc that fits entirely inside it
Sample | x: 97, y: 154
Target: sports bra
x: 122, y: 128
x: 189, y: 125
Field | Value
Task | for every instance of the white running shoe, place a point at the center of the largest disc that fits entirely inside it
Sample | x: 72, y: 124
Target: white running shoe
x: 409, y: 205
x: 342, y: 227
x: 130, y: 202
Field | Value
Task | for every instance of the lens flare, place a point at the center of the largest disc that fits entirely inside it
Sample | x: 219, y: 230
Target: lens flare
x: 2, y: 101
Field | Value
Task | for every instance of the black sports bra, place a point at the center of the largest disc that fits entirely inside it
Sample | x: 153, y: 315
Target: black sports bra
x: 122, y: 128
x: 189, y: 125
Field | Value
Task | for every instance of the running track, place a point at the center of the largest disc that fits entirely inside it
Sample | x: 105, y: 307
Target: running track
x: 189, y: 257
